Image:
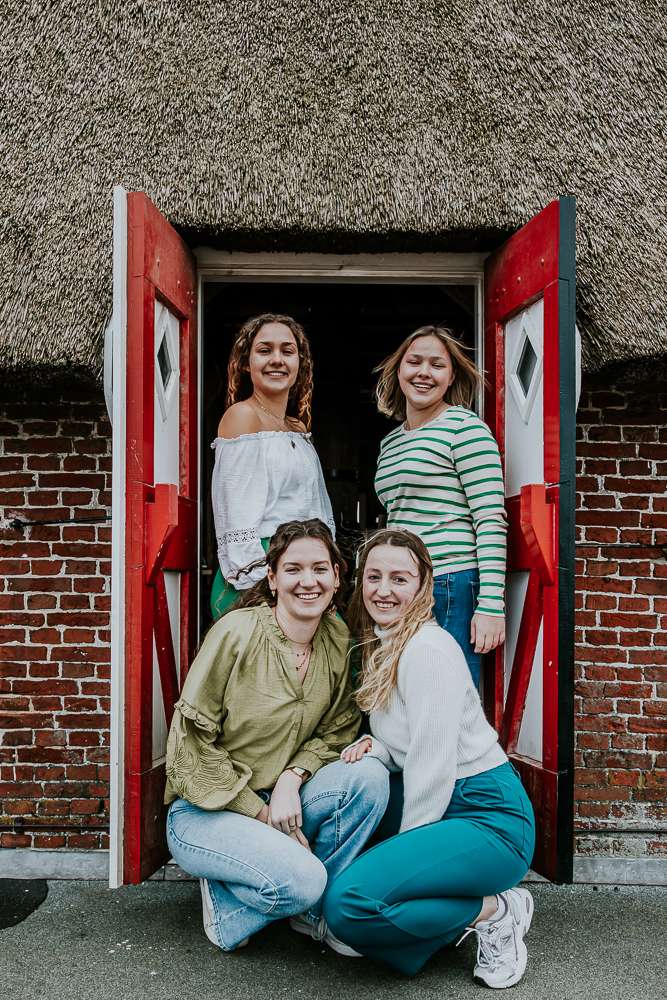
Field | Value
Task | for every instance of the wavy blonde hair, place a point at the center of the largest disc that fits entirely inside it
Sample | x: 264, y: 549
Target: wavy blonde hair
x: 468, y: 378
x: 379, y: 664
x: 239, y: 383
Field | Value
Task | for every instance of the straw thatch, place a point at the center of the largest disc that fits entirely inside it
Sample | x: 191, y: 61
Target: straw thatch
x: 328, y: 125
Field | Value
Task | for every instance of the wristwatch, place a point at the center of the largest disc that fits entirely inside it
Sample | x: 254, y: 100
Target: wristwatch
x: 301, y: 771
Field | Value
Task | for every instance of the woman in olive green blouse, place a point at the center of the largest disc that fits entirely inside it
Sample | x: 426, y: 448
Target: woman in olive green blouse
x: 262, y: 809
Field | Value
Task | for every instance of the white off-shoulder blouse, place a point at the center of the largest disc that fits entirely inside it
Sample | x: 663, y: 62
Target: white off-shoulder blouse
x: 259, y: 482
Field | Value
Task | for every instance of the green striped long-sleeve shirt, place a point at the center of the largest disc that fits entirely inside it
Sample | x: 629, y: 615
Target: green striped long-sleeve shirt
x: 444, y: 482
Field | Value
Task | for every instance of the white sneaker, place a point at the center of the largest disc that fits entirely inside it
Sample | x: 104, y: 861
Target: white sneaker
x: 209, y: 918
x: 320, y: 932
x: 501, y: 953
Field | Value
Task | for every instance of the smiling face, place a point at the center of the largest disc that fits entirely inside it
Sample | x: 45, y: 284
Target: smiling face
x: 304, y: 580
x: 426, y: 372
x: 391, y: 582
x: 274, y: 359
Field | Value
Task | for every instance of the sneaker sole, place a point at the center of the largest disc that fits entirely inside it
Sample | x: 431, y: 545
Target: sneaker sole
x: 522, y: 955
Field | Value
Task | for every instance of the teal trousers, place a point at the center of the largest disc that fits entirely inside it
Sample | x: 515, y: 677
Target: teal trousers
x: 415, y: 892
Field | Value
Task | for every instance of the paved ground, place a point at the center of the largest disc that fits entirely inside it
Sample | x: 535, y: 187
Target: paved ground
x: 147, y: 942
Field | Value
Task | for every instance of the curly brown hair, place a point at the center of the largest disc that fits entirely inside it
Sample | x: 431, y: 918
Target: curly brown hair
x: 280, y: 541
x: 467, y: 382
x: 239, y: 384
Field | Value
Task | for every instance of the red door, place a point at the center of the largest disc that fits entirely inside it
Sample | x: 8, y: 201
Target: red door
x: 158, y: 387
x: 529, y: 322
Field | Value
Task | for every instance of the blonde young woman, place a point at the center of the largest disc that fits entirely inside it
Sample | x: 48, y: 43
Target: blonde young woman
x: 465, y: 826
x: 266, y: 469
x: 439, y: 476
x: 262, y: 809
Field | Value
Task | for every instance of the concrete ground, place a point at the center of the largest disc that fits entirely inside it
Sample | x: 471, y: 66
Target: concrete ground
x: 586, y: 943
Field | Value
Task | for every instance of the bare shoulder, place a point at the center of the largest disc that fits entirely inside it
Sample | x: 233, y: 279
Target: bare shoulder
x: 297, y: 425
x: 241, y: 418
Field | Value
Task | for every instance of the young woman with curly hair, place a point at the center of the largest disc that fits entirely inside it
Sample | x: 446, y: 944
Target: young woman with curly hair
x: 266, y: 468
x: 262, y: 809
x: 458, y: 833
x: 439, y: 476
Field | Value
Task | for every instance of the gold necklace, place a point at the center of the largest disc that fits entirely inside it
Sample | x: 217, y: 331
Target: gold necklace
x: 302, y: 666
x: 274, y: 415
x: 304, y: 654
x: 307, y: 651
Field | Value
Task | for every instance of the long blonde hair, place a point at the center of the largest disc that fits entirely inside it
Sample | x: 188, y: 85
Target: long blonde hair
x: 468, y: 379
x: 379, y: 664
x: 239, y: 383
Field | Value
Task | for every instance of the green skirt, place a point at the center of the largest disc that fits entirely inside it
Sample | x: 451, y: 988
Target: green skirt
x: 223, y: 594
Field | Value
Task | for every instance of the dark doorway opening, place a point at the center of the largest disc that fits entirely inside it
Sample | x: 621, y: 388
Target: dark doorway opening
x: 351, y: 328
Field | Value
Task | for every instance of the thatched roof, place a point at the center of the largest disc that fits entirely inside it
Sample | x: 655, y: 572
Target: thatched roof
x: 329, y: 125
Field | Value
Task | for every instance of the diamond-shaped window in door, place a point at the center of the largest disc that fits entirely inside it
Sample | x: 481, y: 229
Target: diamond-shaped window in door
x: 527, y: 363
x: 164, y: 361
x: 525, y: 368
x: 166, y: 357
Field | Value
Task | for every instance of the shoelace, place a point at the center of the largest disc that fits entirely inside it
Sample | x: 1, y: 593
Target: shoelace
x: 490, y: 945
x: 319, y: 931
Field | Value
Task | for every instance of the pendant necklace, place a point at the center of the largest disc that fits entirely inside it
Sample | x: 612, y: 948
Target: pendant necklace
x: 305, y: 654
x: 274, y: 417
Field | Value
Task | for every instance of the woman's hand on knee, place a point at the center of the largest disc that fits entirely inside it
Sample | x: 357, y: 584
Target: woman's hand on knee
x: 285, y: 804
x: 487, y: 631
x: 357, y: 751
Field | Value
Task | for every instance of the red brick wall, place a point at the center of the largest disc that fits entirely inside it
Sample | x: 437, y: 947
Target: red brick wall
x: 55, y: 462
x: 621, y: 600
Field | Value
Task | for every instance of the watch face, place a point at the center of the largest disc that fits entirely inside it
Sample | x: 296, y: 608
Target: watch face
x: 299, y: 770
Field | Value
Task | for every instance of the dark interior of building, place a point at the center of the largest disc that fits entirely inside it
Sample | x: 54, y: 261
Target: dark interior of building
x: 351, y: 328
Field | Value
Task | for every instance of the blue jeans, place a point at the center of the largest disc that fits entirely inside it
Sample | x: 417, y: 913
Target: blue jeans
x: 414, y: 893
x: 455, y: 603
x: 257, y: 874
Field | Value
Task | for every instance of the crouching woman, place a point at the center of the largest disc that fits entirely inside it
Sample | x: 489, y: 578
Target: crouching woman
x: 465, y: 826
x: 262, y: 809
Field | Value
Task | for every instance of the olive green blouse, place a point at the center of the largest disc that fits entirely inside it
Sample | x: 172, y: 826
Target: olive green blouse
x: 244, y: 717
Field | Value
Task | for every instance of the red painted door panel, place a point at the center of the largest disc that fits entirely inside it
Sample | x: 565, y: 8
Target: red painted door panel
x: 161, y: 515
x: 529, y: 345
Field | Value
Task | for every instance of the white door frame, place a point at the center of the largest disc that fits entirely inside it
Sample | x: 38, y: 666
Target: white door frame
x: 118, y: 486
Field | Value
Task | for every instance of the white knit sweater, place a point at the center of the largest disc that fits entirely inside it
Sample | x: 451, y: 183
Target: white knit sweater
x: 434, y: 728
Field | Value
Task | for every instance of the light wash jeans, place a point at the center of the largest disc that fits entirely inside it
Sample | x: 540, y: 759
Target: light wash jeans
x: 455, y: 603
x: 257, y: 874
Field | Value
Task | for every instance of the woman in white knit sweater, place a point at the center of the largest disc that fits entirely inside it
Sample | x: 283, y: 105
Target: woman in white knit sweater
x: 465, y: 824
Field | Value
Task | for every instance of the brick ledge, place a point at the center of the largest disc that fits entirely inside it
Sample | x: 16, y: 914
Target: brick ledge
x: 26, y: 862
